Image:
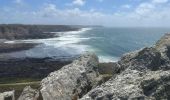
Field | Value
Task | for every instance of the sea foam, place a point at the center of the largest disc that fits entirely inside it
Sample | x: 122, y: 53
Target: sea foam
x: 67, y: 44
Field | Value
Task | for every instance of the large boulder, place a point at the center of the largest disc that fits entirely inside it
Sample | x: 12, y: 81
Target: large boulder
x: 73, y: 80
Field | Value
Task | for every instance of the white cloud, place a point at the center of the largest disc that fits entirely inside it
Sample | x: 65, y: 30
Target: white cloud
x: 126, y: 6
x: 144, y: 9
x: 50, y: 7
x: 78, y: 2
x: 145, y: 14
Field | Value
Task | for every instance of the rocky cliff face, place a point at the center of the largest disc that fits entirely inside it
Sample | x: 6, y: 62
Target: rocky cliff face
x: 18, y: 31
x: 139, y: 75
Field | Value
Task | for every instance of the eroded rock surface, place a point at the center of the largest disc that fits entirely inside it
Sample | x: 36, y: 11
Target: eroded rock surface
x: 73, y: 80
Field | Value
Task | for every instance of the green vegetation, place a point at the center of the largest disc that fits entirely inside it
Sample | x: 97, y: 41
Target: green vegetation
x: 17, y: 80
x: 106, y: 68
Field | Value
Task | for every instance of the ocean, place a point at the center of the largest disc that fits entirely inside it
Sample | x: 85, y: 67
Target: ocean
x: 108, y: 43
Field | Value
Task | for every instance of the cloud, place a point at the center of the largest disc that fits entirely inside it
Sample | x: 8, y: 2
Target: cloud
x: 126, y: 6
x: 154, y: 10
x: 50, y: 7
x: 144, y: 9
x: 78, y: 2
x: 144, y: 14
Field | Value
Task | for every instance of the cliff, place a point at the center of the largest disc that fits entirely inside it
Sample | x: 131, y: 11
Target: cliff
x: 139, y: 75
x: 18, y: 31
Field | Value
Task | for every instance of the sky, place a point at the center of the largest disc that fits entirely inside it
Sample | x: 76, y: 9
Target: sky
x: 114, y: 13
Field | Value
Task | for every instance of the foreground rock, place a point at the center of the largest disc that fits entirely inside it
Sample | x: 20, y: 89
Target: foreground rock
x: 144, y: 75
x: 7, y: 95
x: 72, y: 81
x: 29, y: 94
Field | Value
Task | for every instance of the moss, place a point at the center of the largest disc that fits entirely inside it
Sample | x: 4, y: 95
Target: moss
x: 106, y: 68
x: 106, y: 77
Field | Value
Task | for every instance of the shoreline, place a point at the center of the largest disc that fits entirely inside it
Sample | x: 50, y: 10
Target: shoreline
x: 47, y: 46
x: 16, y: 47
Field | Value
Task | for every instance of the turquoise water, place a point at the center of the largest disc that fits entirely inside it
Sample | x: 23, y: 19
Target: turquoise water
x: 108, y: 43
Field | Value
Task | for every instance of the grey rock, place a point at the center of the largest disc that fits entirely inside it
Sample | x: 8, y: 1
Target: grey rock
x: 147, y: 58
x: 73, y: 80
x: 134, y: 85
x: 29, y: 94
x: 156, y: 85
x: 163, y: 45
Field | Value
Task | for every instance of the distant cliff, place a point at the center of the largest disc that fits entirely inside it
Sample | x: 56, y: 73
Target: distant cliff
x: 18, y: 31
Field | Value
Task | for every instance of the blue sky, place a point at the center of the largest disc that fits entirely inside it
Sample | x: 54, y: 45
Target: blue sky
x: 116, y: 13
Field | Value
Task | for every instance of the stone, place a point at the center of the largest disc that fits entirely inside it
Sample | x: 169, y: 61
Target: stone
x: 73, y: 80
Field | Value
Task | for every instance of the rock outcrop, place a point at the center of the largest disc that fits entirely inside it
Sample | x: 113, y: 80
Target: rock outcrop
x: 72, y: 81
x: 29, y: 94
x: 144, y: 75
